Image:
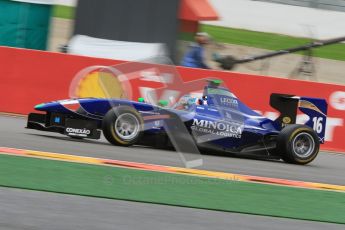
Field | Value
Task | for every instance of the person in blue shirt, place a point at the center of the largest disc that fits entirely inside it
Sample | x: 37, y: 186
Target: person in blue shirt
x: 195, y: 55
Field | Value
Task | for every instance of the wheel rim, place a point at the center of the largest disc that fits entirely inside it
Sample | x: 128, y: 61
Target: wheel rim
x: 303, y: 145
x: 127, y: 126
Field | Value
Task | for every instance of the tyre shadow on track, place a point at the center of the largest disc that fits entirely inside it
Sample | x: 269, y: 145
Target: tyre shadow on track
x: 65, y: 138
x: 167, y: 150
x: 97, y: 142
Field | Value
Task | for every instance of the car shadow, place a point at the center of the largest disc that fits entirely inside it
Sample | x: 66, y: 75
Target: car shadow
x: 66, y: 138
x: 208, y: 153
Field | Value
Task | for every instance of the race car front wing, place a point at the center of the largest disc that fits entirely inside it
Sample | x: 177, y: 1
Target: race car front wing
x: 60, y: 123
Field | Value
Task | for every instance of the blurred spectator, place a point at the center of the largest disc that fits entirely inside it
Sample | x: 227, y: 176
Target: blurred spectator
x: 195, y: 55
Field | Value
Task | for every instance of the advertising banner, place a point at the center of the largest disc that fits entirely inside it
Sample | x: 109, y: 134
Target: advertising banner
x: 32, y: 77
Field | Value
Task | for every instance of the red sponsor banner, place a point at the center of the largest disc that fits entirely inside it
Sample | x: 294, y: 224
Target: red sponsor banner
x: 32, y: 77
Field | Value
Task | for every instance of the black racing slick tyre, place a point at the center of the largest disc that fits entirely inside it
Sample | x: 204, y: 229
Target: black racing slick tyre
x: 122, y: 126
x: 298, y: 144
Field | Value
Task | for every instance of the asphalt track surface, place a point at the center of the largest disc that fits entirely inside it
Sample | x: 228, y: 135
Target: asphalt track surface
x: 33, y: 210
x: 327, y: 168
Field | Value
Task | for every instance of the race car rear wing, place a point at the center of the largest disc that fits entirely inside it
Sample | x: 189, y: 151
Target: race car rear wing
x: 315, y: 108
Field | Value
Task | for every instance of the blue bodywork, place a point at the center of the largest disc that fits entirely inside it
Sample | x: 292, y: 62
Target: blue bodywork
x: 223, y: 123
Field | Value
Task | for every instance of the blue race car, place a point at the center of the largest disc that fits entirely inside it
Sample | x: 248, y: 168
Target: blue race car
x: 216, y: 122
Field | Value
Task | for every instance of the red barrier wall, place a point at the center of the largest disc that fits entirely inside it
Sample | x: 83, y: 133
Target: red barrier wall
x: 31, y: 77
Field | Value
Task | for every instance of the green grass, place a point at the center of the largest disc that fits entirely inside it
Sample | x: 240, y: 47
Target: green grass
x: 252, y: 38
x: 66, y: 12
x: 171, y: 189
x: 262, y: 40
x: 270, y: 41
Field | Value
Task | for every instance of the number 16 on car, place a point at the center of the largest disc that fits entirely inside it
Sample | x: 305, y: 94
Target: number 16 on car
x: 316, y: 109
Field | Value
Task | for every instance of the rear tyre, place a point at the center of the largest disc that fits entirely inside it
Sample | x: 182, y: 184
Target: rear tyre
x: 122, y: 126
x: 298, y: 144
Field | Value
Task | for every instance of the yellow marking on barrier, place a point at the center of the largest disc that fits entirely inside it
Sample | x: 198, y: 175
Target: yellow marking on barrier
x: 100, y: 84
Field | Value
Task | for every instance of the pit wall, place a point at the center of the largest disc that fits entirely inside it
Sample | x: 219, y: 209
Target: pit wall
x: 29, y: 77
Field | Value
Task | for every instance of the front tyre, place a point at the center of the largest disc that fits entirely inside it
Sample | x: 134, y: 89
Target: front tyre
x: 298, y: 144
x: 122, y: 126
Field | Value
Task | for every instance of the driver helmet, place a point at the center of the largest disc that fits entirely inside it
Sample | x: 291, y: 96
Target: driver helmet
x: 202, y: 101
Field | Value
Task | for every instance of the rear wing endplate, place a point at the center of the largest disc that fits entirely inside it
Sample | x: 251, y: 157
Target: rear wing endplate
x: 315, y: 108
